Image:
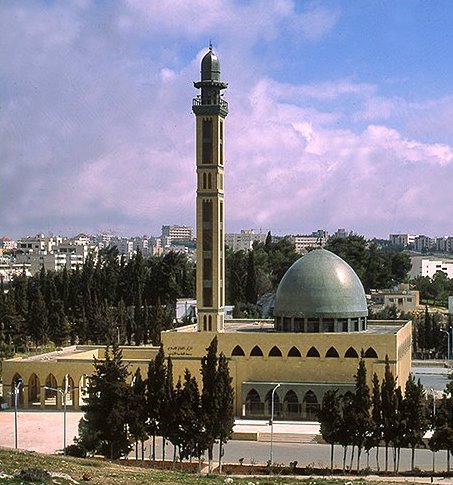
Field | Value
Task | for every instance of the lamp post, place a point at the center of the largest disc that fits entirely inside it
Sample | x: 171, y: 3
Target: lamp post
x: 448, y: 342
x: 64, y: 393
x: 434, y: 416
x: 16, y: 397
x: 271, y: 457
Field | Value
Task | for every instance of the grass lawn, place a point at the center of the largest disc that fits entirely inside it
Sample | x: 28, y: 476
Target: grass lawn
x: 95, y: 471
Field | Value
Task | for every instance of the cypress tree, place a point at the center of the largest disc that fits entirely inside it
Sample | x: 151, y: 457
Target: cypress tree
x: 137, y: 411
x: 389, y: 408
x: 329, y: 417
x: 361, y: 405
x: 225, y: 396
x: 414, y: 416
x: 375, y: 434
x: 155, y: 396
x: 209, y: 397
x: 106, y: 404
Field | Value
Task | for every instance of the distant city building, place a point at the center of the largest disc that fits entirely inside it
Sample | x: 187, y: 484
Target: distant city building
x: 176, y: 233
x: 7, y: 244
x: 317, y: 239
x: 403, y: 299
x: 402, y: 240
x: 444, y: 244
x: 341, y: 234
x: 424, y: 243
x: 38, y: 243
x: 429, y: 266
x: 244, y: 240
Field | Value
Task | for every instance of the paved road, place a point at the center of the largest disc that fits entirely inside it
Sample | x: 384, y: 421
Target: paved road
x: 43, y: 432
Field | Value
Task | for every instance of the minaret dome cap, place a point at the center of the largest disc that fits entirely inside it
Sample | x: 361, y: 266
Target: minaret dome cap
x: 210, y: 67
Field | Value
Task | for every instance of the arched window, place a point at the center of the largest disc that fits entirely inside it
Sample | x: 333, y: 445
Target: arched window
x: 294, y: 352
x: 253, y: 404
x: 313, y: 352
x: 51, y: 382
x: 238, y: 351
x: 210, y: 323
x: 370, y: 353
x: 275, y: 352
x: 205, y: 324
x: 351, y: 353
x: 268, y: 404
x: 14, y: 382
x: 34, y: 389
x: 256, y: 352
x: 291, y: 405
x: 332, y: 352
x: 311, y: 405
x: 204, y: 180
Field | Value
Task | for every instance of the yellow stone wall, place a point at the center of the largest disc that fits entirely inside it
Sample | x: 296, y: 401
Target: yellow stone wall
x: 187, y: 349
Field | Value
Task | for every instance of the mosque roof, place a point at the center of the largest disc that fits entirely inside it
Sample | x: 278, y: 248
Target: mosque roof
x: 320, y: 284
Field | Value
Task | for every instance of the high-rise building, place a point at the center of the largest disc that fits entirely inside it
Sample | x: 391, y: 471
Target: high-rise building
x: 210, y: 110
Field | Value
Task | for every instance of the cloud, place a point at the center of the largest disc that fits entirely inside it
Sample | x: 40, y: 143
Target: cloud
x: 316, y: 22
x: 97, y: 132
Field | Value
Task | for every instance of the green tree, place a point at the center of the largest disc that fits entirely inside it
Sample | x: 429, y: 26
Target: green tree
x: 375, y: 431
x: 251, y: 292
x: 389, y: 408
x: 361, y: 406
x: 225, y: 398
x: 155, y: 396
x: 38, y: 322
x: 414, y: 416
x: 330, y: 417
x: 442, y: 437
x: 137, y: 412
x: 106, y: 404
x: 209, y: 397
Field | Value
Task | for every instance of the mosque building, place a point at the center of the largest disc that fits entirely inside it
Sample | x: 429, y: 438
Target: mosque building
x: 314, y: 343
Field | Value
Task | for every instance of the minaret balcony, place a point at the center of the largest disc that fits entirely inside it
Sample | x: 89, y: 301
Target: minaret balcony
x: 208, y: 106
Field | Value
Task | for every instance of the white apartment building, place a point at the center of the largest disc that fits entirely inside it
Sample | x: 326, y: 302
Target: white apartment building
x: 38, y: 243
x: 176, y: 233
x: 304, y: 242
x: 429, y: 266
x: 66, y: 254
x: 244, y: 241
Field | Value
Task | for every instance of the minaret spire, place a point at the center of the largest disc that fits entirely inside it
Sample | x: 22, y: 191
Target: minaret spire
x: 210, y: 110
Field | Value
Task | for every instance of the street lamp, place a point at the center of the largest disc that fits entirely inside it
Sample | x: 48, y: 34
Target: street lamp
x: 64, y: 393
x: 448, y: 343
x: 272, y: 421
x: 16, y: 397
x: 434, y: 417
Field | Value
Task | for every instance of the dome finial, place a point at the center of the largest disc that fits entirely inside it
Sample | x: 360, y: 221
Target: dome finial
x: 210, y: 45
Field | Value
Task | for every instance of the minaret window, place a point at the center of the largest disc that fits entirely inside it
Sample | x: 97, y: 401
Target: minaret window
x: 209, y: 181
x: 207, y: 141
x: 221, y: 143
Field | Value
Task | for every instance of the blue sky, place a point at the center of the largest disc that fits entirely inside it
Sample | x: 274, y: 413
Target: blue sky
x: 340, y: 115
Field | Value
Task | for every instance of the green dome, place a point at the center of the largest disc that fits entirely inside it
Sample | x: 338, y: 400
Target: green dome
x: 210, y: 67
x: 320, y: 284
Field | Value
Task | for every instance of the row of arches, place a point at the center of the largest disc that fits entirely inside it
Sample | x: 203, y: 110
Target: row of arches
x: 287, y: 409
x: 46, y: 392
x: 351, y: 352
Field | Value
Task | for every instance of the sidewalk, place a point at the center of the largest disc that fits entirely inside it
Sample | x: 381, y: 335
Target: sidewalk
x: 42, y: 431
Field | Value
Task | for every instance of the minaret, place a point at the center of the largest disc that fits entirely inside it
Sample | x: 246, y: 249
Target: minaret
x: 210, y: 111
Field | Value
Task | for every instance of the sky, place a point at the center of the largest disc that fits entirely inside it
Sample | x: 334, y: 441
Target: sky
x: 340, y: 115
